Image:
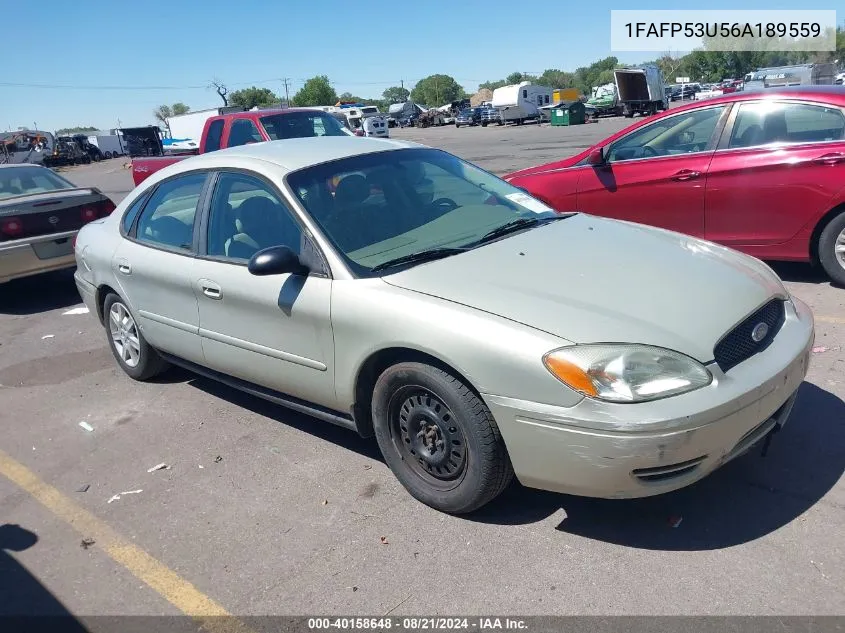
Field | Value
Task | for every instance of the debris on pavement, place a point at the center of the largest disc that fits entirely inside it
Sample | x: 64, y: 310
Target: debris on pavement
x: 675, y: 521
x: 201, y: 466
x: 325, y: 502
x: 80, y: 310
x: 218, y: 459
x: 368, y: 467
x: 161, y: 466
x: 354, y: 588
x: 120, y: 494
x: 819, y: 349
x: 83, y: 488
x: 86, y: 426
x: 384, y: 540
x: 87, y: 542
x: 46, y: 336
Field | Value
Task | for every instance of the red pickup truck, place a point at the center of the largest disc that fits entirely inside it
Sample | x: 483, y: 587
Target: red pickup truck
x: 252, y: 126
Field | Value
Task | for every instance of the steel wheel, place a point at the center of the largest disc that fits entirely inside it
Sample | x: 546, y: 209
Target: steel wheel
x: 839, y: 248
x: 124, y: 334
x: 428, y: 437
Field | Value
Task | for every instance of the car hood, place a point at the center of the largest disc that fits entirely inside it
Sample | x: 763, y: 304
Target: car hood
x: 587, y: 279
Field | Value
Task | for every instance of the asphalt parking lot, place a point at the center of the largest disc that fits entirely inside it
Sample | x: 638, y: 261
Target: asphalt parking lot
x: 264, y: 511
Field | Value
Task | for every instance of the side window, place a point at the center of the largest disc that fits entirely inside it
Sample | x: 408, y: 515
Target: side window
x: 132, y: 212
x: 246, y: 216
x: 243, y: 131
x: 762, y: 123
x: 214, y: 136
x: 524, y: 94
x: 546, y: 98
x: 539, y: 99
x: 168, y: 218
x: 681, y: 134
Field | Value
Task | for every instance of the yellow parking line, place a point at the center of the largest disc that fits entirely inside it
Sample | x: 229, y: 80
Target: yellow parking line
x: 164, y: 581
x: 831, y: 319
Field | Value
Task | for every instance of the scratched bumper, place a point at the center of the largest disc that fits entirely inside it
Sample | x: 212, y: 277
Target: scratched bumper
x: 599, y: 449
x: 35, y: 255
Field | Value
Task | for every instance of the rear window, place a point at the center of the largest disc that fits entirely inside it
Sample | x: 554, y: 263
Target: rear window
x: 17, y: 181
x: 301, y: 125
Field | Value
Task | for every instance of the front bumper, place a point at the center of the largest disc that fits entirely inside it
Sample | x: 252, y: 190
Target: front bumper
x: 35, y: 255
x: 600, y: 449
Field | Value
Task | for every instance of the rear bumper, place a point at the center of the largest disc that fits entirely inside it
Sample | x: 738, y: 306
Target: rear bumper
x: 88, y: 293
x: 608, y: 450
x: 35, y: 255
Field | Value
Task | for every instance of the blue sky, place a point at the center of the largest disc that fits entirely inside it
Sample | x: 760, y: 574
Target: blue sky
x: 364, y: 47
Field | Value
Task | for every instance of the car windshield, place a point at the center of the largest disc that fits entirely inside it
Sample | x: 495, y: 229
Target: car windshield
x: 466, y: 112
x: 378, y: 207
x: 301, y: 124
x: 17, y: 181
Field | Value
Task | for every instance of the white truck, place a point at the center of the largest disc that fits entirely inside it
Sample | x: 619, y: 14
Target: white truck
x: 823, y: 74
x: 110, y: 145
x: 640, y: 90
x: 521, y: 102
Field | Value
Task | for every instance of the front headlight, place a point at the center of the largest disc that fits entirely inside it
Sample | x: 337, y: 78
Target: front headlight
x: 626, y: 373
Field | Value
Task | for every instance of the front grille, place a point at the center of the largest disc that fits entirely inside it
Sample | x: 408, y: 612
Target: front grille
x: 739, y: 345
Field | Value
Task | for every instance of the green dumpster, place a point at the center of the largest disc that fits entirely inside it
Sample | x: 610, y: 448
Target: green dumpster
x: 572, y: 113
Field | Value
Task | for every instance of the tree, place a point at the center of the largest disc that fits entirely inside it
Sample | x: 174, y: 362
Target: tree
x: 76, y: 130
x: 492, y: 85
x: 554, y: 78
x: 253, y: 96
x: 164, y: 112
x: 396, y: 94
x: 222, y: 91
x: 316, y: 91
x: 436, y: 90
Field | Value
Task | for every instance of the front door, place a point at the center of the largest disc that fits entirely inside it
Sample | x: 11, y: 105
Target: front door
x: 273, y: 331
x: 153, y: 267
x: 655, y: 175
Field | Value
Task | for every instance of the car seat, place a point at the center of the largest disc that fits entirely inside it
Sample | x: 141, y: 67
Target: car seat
x: 264, y: 223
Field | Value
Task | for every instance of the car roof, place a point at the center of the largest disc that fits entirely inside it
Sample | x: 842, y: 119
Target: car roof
x: 12, y: 165
x: 295, y: 153
x: 832, y: 94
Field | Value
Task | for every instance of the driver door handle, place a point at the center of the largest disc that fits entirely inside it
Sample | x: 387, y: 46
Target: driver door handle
x: 123, y: 266
x: 833, y: 158
x: 686, y: 174
x: 210, y: 289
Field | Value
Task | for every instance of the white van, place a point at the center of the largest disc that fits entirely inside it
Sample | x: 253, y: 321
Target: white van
x: 375, y: 126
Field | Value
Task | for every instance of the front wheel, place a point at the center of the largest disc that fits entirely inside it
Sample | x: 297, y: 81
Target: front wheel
x: 439, y: 438
x: 832, y: 249
x: 134, y: 355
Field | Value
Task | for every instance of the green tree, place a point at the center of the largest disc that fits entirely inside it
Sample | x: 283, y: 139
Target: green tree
x: 492, y: 85
x: 515, y: 78
x: 253, y: 97
x: 596, y: 74
x: 554, y: 78
x: 396, y: 94
x: 316, y: 91
x: 76, y: 130
x: 164, y: 112
x: 435, y: 90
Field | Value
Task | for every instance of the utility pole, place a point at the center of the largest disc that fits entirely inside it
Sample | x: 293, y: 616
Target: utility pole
x: 287, y: 94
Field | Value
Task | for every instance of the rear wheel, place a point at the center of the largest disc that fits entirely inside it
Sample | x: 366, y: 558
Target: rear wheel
x: 134, y: 355
x: 439, y: 438
x: 832, y: 249
x: 108, y: 155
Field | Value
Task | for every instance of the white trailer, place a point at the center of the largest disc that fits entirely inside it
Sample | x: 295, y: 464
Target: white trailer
x: 110, y: 145
x: 640, y: 90
x: 520, y: 102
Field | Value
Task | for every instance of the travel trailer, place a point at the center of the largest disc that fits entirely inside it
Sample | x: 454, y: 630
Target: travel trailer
x: 521, y: 102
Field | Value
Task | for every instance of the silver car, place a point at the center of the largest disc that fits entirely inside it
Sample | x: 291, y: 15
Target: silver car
x: 408, y: 295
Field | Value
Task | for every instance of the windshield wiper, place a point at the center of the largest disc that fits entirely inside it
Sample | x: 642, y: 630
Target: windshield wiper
x: 516, y: 225
x: 420, y: 256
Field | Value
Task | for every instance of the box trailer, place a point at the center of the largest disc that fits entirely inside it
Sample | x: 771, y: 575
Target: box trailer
x: 797, y: 75
x: 186, y: 129
x: 110, y: 145
x: 521, y: 102
x: 640, y: 89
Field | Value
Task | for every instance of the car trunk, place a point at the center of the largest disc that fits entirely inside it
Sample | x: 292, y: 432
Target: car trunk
x: 34, y: 215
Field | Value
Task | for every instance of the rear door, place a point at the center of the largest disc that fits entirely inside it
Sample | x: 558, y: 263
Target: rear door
x: 655, y: 174
x: 777, y: 168
x: 153, y: 266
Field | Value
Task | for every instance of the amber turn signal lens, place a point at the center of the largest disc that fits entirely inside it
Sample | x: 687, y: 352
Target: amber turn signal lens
x: 570, y: 374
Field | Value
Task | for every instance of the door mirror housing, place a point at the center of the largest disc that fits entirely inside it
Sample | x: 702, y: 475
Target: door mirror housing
x: 596, y: 157
x: 276, y: 260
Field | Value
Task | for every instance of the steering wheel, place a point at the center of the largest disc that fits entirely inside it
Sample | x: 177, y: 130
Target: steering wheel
x: 447, y: 203
x: 649, y: 151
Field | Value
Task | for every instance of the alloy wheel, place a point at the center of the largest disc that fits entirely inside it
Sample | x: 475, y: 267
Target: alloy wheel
x: 124, y: 335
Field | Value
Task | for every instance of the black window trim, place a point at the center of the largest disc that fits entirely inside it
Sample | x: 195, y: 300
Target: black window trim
x: 192, y: 253
x: 205, y: 221
x: 724, y: 141
x: 709, y: 148
x: 208, y: 138
x: 142, y: 199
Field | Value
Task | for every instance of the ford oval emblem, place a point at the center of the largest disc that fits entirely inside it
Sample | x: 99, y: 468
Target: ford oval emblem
x: 759, y: 332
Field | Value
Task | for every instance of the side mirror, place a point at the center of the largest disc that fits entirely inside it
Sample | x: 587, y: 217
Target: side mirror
x: 276, y: 260
x: 596, y: 157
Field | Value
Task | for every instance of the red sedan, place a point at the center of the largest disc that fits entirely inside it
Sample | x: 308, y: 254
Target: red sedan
x: 761, y: 172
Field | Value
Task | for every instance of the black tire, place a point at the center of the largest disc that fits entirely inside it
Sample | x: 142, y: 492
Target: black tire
x: 108, y: 155
x: 833, y: 266
x: 149, y: 362
x: 439, y: 438
x: 484, y: 124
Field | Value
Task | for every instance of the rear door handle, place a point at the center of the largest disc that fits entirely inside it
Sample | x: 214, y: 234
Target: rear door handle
x: 124, y: 267
x: 211, y: 289
x: 833, y: 158
x: 686, y: 174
